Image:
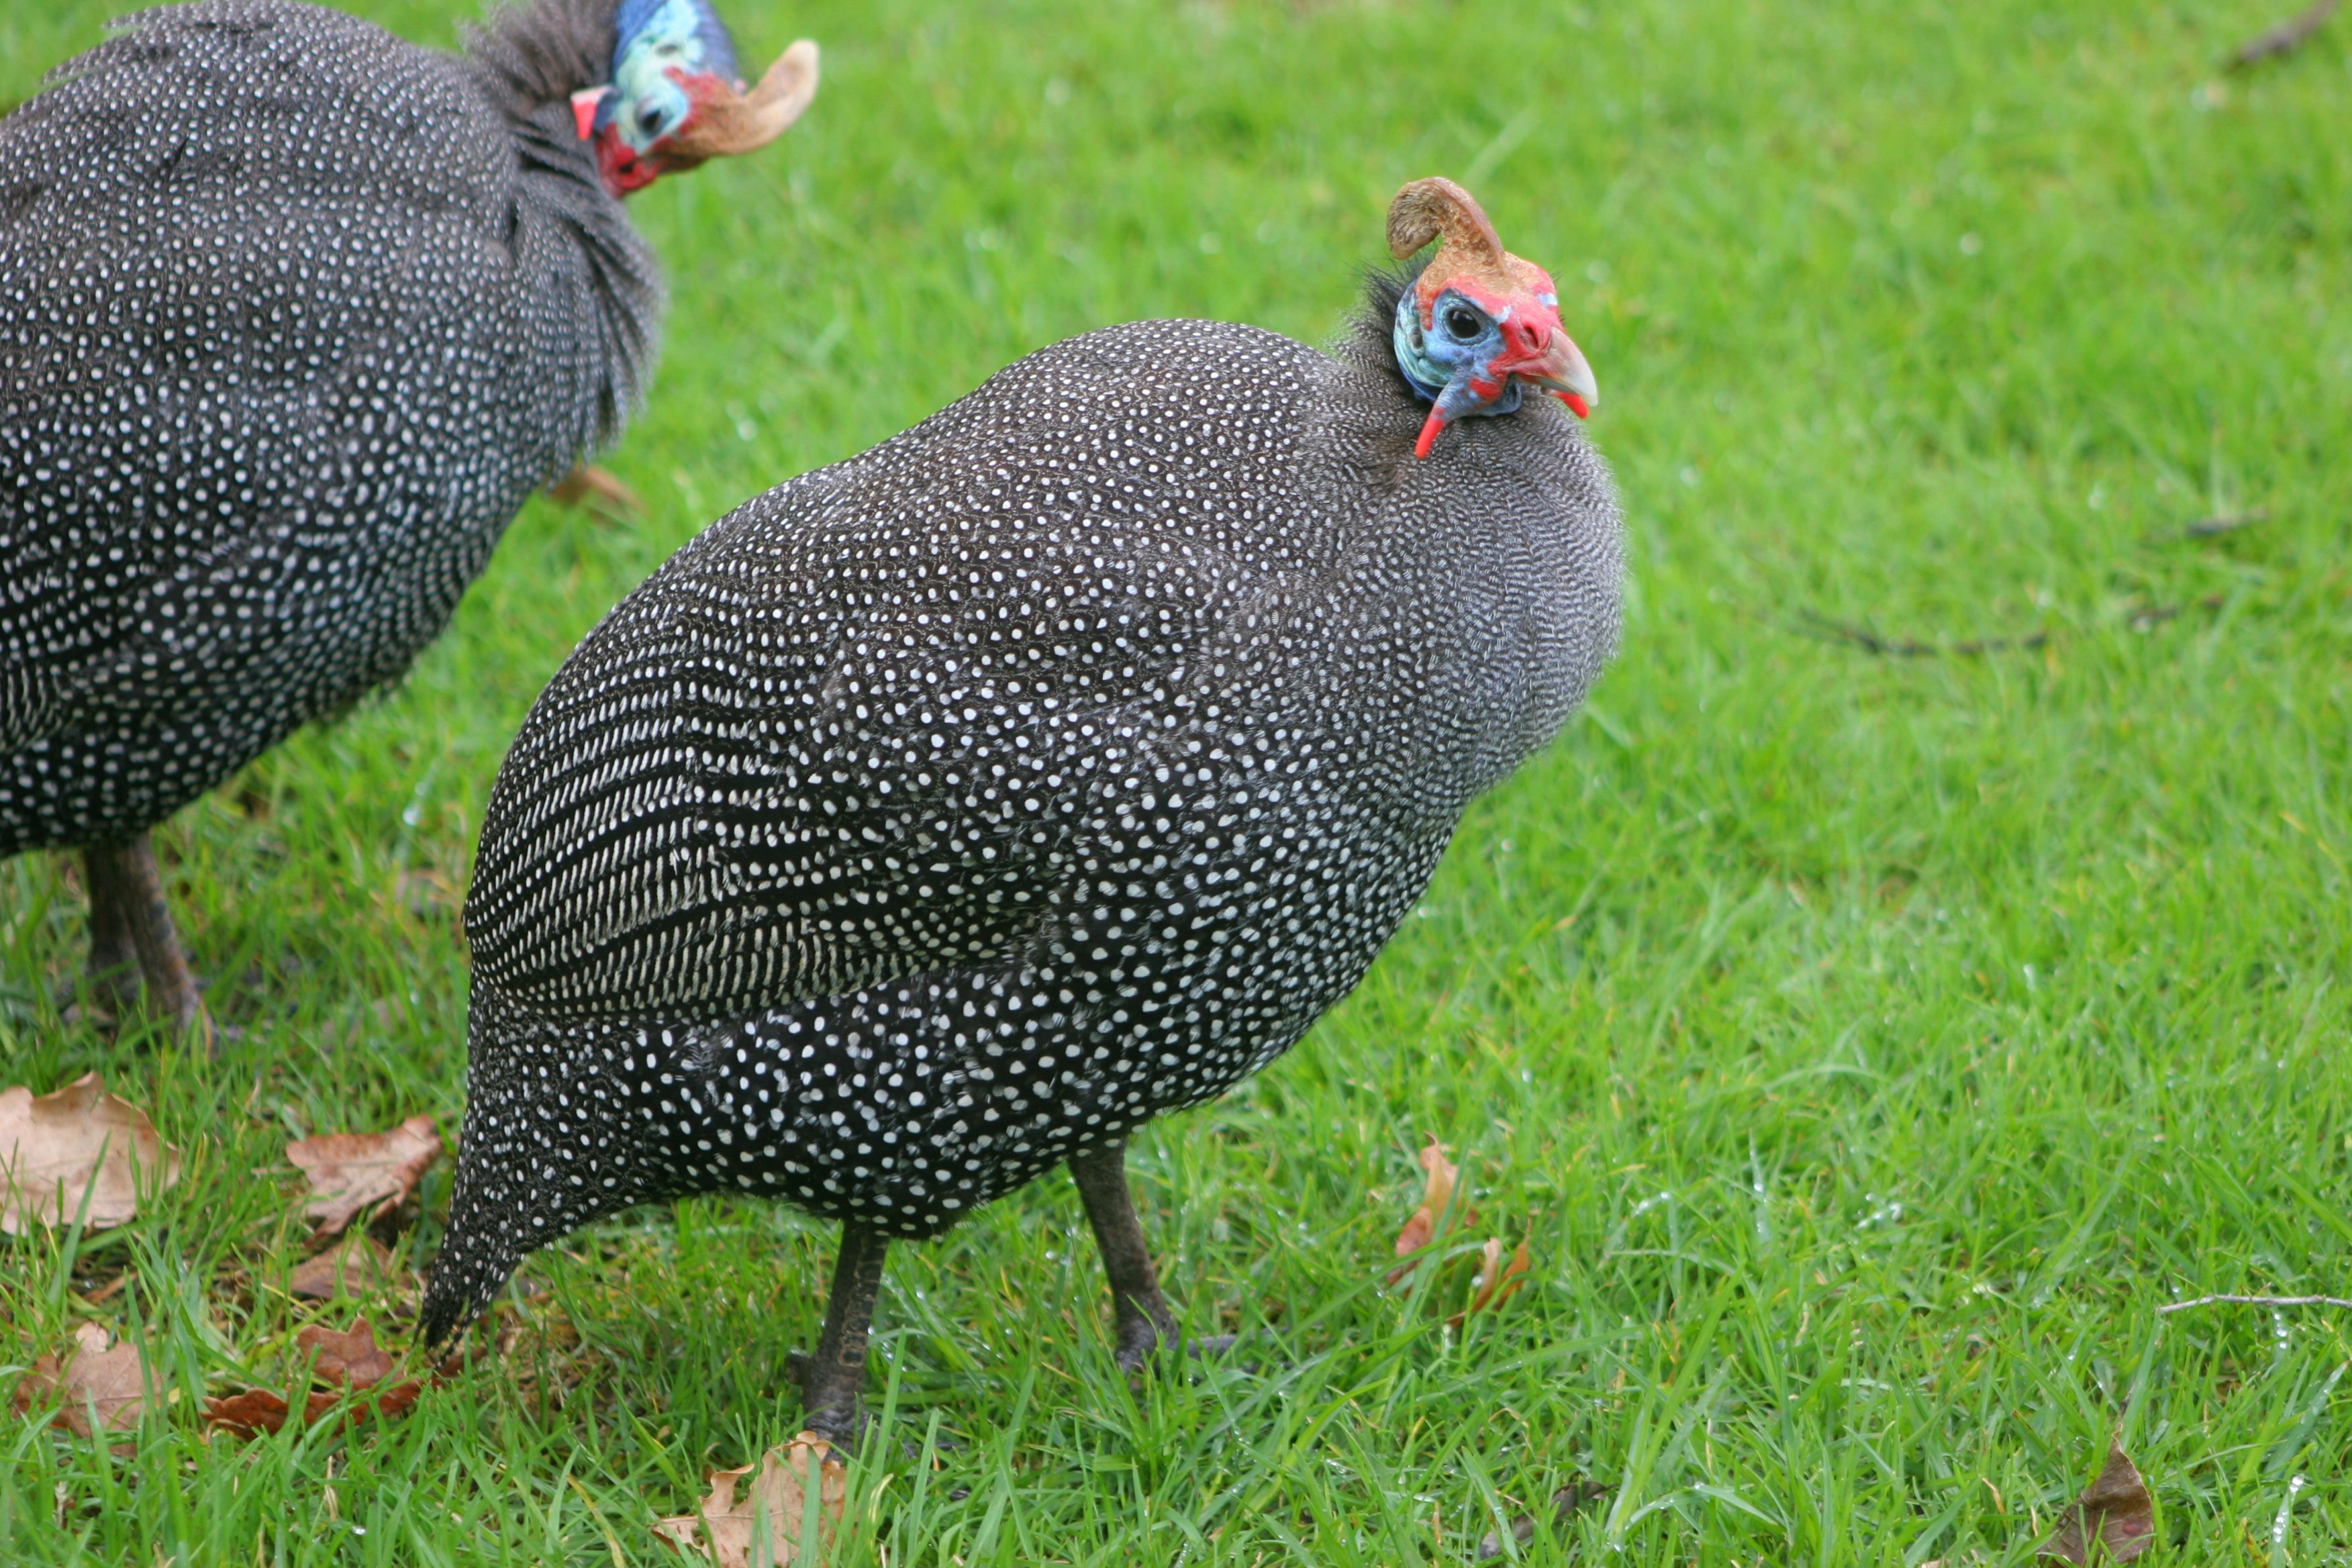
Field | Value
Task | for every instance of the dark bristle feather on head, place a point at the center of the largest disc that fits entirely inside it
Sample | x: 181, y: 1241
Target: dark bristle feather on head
x: 1371, y: 325
x: 537, y: 52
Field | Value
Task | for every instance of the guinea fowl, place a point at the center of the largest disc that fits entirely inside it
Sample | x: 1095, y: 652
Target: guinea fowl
x: 950, y: 812
x: 294, y: 316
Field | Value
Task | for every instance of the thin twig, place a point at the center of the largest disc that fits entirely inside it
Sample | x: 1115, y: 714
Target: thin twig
x: 2255, y: 1302
x: 2210, y: 528
x: 1870, y: 642
x: 2147, y: 617
x: 2287, y: 37
x: 2225, y: 522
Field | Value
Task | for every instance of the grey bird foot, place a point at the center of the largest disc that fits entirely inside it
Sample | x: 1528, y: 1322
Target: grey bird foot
x: 101, y: 1001
x: 841, y: 1422
x: 111, y: 1002
x: 1140, y: 1345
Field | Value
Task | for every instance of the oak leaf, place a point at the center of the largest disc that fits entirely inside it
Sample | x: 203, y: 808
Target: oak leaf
x: 247, y: 1412
x: 348, y: 1359
x: 78, y: 1146
x: 774, y: 1509
x: 354, y: 1171
x: 93, y: 1379
x: 351, y: 1360
x: 2115, y: 1511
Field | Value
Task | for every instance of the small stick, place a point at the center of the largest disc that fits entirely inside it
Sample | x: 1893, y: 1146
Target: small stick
x: 2255, y: 1302
x: 2287, y: 37
x: 2225, y: 522
x: 1905, y: 648
x: 2148, y: 616
x: 2212, y: 528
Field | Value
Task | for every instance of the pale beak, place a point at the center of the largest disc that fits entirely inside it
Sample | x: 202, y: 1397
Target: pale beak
x: 1562, y: 371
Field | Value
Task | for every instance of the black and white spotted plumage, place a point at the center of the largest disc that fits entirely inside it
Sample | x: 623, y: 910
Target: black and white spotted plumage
x: 1048, y: 767
x: 294, y: 316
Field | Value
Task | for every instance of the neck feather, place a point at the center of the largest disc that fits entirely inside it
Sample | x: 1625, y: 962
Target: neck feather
x: 1370, y: 336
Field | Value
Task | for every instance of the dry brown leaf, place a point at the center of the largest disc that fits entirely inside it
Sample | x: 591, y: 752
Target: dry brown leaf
x: 600, y: 490
x: 80, y: 1142
x: 246, y: 1413
x: 1422, y: 1228
x: 2114, y: 1510
x: 354, y: 1361
x: 350, y: 1361
x: 1496, y: 1279
x: 90, y: 1376
x: 352, y: 1267
x: 772, y: 1509
x: 353, y: 1170
x: 253, y: 1411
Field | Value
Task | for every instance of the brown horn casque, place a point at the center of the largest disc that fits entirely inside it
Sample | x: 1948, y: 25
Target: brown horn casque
x: 744, y: 122
x: 1427, y: 209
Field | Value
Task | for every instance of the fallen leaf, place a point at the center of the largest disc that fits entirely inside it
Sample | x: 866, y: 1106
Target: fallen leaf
x: 600, y: 491
x: 352, y: 1267
x: 1496, y: 1279
x: 1422, y: 1228
x: 2114, y: 1510
x: 246, y: 1413
x: 1565, y: 1505
x: 253, y: 1411
x: 353, y: 1170
x: 79, y: 1144
x: 112, y: 1382
x: 772, y: 1509
x: 354, y: 1361
x: 350, y: 1361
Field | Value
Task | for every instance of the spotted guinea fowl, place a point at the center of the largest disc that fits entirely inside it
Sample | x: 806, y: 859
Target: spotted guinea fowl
x: 293, y: 317
x: 949, y: 813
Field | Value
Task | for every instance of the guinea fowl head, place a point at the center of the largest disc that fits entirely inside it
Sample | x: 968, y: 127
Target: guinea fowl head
x: 1478, y: 322
x: 675, y: 99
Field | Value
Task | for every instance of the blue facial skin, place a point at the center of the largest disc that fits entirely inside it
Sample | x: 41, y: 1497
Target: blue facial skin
x: 1440, y: 363
x: 656, y: 37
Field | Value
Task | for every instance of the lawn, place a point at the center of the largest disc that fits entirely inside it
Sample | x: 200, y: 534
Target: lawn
x: 1867, y: 1037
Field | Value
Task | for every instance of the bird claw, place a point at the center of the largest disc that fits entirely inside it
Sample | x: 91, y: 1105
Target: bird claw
x: 1135, y: 1354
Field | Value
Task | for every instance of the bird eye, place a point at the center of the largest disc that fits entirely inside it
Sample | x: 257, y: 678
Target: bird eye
x: 1460, y: 323
x: 650, y: 121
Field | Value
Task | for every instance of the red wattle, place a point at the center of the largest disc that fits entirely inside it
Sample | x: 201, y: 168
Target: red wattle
x: 1429, y: 433
x: 583, y: 109
x: 1577, y: 404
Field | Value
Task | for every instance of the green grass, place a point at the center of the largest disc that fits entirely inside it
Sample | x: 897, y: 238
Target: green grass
x: 1867, y: 1045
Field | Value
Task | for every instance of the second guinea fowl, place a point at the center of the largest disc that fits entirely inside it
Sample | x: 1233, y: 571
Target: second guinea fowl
x: 949, y: 813
x: 294, y: 316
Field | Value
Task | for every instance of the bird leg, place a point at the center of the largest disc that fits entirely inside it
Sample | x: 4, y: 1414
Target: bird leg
x: 111, y: 976
x: 835, y: 1381
x: 1144, y: 1320
x: 128, y: 921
